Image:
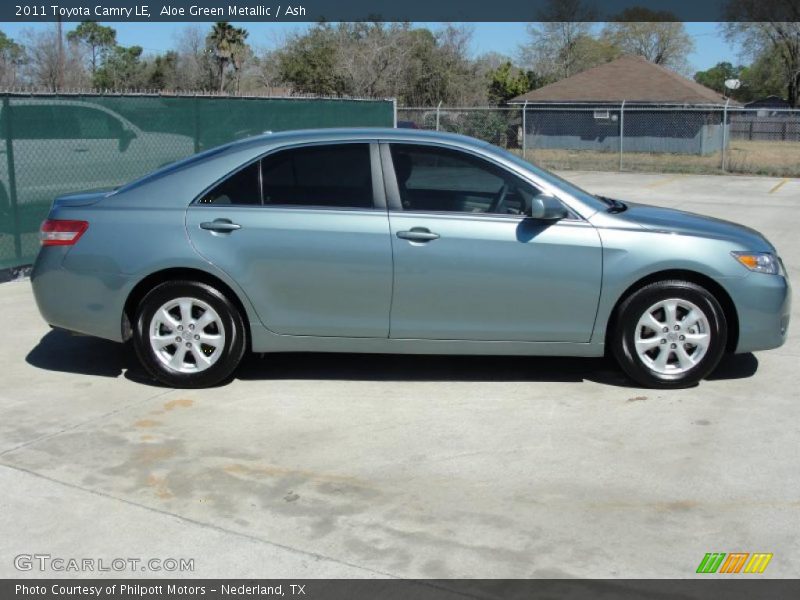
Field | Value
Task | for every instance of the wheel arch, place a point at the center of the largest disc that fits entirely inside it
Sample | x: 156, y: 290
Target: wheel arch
x: 719, y: 292
x: 149, y: 282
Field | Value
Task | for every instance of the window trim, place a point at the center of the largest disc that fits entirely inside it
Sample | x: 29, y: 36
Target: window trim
x: 393, y: 189
x: 378, y: 192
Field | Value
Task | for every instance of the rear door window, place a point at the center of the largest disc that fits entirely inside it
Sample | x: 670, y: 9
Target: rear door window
x: 332, y: 175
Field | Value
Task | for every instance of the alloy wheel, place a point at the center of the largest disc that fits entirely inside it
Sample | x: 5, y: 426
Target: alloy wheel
x: 187, y: 335
x: 672, y: 336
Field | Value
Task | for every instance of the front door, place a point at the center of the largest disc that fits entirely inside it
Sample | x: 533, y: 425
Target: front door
x: 470, y: 266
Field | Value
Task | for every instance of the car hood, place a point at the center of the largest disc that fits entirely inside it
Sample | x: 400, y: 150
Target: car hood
x: 670, y: 220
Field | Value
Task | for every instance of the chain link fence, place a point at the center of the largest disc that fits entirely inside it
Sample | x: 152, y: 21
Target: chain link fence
x: 56, y: 144
x: 631, y: 137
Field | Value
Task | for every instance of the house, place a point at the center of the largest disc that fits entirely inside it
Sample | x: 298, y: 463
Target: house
x: 651, y: 108
x: 769, y: 102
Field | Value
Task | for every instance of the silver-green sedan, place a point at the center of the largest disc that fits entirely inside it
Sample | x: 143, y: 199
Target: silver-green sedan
x: 399, y: 241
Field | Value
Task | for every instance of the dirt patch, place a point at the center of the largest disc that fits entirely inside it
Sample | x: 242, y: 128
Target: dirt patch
x: 181, y: 403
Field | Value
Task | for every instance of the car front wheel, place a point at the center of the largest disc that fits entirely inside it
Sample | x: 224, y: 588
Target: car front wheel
x: 188, y: 334
x: 669, y: 334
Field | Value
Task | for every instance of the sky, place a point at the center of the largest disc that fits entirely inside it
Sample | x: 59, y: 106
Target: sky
x: 505, y: 38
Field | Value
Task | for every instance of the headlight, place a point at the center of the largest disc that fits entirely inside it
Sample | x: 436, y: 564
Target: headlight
x: 761, y: 262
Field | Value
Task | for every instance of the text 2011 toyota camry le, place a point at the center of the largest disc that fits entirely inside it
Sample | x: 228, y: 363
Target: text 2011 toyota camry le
x: 399, y: 241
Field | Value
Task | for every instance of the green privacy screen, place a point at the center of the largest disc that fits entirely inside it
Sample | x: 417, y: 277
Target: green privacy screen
x: 55, y: 144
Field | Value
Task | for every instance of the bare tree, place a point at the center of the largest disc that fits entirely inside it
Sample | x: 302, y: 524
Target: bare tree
x: 416, y: 65
x: 43, y: 67
x: 195, y: 69
x: 560, y: 45
x: 654, y: 35
x: 266, y: 75
x: 458, y: 72
x: 371, y: 57
x: 769, y: 26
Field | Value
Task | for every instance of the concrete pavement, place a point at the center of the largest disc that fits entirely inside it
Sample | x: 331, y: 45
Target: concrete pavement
x: 376, y: 466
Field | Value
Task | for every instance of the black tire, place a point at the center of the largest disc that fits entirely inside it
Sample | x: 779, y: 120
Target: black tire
x: 645, y: 370
x: 226, y: 359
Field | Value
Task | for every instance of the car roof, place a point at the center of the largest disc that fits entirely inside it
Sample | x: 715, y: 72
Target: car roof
x: 351, y: 133
x: 221, y: 159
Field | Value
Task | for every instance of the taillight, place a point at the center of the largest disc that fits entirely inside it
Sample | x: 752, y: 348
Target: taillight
x: 57, y: 232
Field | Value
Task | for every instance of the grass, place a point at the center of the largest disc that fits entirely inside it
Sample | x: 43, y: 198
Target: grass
x: 777, y: 159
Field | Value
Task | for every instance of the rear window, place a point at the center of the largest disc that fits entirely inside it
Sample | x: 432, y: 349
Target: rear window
x: 173, y: 167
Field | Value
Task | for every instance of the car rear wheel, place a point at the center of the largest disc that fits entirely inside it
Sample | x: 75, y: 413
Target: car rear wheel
x: 669, y: 334
x: 188, y: 334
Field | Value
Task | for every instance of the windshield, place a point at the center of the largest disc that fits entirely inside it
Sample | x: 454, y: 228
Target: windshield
x: 572, y: 189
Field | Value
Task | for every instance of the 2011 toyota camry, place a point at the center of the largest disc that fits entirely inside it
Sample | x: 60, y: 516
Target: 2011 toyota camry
x: 399, y: 241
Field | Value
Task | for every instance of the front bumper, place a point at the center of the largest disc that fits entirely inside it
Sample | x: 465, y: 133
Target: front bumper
x: 763, y: 304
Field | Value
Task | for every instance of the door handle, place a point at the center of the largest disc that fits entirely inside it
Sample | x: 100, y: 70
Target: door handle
x: 220, y: 226
x: 80, y: 149
x: 418, y: 234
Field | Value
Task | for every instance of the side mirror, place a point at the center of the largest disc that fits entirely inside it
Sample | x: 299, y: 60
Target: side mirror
x: 547, y: 208
x: 126, y: 136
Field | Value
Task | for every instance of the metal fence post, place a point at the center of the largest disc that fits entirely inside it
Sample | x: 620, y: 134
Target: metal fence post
x: 525, y: 130
x: 394, y: 110
x: 438, y: 108
x: 196, y: 124
x: 724, y: 133
x: 12, y: 177
x: 621, y: 131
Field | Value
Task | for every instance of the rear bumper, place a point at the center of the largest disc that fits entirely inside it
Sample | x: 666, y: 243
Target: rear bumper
x: 764, y: 304
x: 88, y: 303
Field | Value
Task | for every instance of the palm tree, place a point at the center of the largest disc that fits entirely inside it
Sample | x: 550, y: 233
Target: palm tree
x: 225, y: 42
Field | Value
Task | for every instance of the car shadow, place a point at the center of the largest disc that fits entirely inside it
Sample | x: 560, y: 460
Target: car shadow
x: 735, y: 366
x: 63, y: 352
x: 413, y: 367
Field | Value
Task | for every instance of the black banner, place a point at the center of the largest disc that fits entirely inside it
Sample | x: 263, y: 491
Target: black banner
x: 394, y: 10
x: 397, y: 589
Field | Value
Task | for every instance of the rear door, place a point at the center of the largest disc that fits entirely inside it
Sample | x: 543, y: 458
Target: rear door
x: 305, y: 232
